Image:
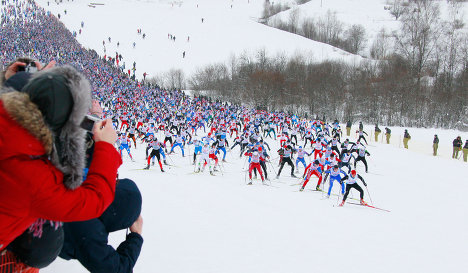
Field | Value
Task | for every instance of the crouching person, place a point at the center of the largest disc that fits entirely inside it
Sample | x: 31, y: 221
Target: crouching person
x: 87, y: 241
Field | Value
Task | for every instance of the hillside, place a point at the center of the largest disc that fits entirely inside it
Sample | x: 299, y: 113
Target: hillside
x: 224, y: 32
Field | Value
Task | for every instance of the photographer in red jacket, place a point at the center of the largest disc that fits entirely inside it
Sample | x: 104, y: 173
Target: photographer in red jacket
x: 42, y: 161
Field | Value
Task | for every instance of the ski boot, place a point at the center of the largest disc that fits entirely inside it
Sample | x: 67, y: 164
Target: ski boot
x: 301, y: 189
x: 317, y: 188
x: 152, y: 163
x: 146, y: 168
x: 363, y: 202
x: 277, y: 177
x: 250, y: 182
x: 224, y: 160
x: 165, y: 162
x: 162, y: 170
x: 342, y: 203
x: 293, y: 175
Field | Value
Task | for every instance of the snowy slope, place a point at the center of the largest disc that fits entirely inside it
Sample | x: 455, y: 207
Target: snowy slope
x: 224, y: 32
x: 200, y: 223
x: 371, y: 14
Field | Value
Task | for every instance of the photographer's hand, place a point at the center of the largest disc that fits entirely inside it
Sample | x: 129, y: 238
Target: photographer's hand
x: 96, y: 109
x: 12, y: 69
x: 137, y: 227
x: 103, y: 131
x: 49, y: 65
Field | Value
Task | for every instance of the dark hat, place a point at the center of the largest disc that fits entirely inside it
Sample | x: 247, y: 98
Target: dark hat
x: 51, y: 93
x: 125, y: 208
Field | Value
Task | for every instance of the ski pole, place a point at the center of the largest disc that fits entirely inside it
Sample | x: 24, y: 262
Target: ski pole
x: 369, y: 196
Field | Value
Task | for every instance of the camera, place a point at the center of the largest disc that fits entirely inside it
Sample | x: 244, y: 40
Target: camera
x: 88, y: 122
x: 29, y: 67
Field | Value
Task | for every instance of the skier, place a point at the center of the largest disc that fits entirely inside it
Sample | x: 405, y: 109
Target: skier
x: 179, y: 141
x: 351, y: 182
x: 362, y: 152
x: 313, y: 168
x: 124, y: 142
x: 286, y: 158
x: 255, y: 158
x: 335, y: 175
x: 361, y: 135
x: 300, y: 157
x: 155, y: 145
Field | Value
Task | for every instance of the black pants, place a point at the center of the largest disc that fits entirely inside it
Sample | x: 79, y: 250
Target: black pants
x: 295, y: 137
x: 349, y: 187
x: 345, y: 164
x: 362, y: 137
x: 334, y: 148
x: 284, y: 161
x: 243, y: 145
x: 361, y: 158
x: 310, y: 139
x: 155, y: 153
x: 168, y: 139
x: 262, y: 163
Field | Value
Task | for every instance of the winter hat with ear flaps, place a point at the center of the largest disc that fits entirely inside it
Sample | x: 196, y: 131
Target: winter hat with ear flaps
x: 63, y: 95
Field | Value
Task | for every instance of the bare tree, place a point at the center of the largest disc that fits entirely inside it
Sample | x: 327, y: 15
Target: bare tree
x: 397, y: 8
x: 418, y: 36
x: 355, y: 38
x: 380, y: 47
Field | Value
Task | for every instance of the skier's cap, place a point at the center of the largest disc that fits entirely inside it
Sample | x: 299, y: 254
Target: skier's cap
x: 353, y: 172
x: 316, y: 162
x: 335, y: 167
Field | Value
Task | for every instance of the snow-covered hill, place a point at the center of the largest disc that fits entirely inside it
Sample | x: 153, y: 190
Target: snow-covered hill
x: 373, y: 15
x: 225, y: 31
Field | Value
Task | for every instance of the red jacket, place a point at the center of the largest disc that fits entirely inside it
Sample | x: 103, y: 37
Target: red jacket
x: 31, y: 186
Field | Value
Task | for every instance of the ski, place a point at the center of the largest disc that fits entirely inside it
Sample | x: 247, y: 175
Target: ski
x: 367, y: 205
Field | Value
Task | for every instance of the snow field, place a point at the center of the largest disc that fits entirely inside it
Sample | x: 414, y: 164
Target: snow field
x: 202, y: 223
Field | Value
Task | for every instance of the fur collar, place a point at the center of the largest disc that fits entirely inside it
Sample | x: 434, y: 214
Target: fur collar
x: 71, y: 161
x: 28, y: 116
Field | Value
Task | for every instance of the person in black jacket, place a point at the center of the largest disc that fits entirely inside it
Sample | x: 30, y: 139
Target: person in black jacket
x: 457, y: 144
x: 87, y: 241
x: 435, y: 145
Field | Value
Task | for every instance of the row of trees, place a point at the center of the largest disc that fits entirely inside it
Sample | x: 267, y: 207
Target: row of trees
x: 381, y: 92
